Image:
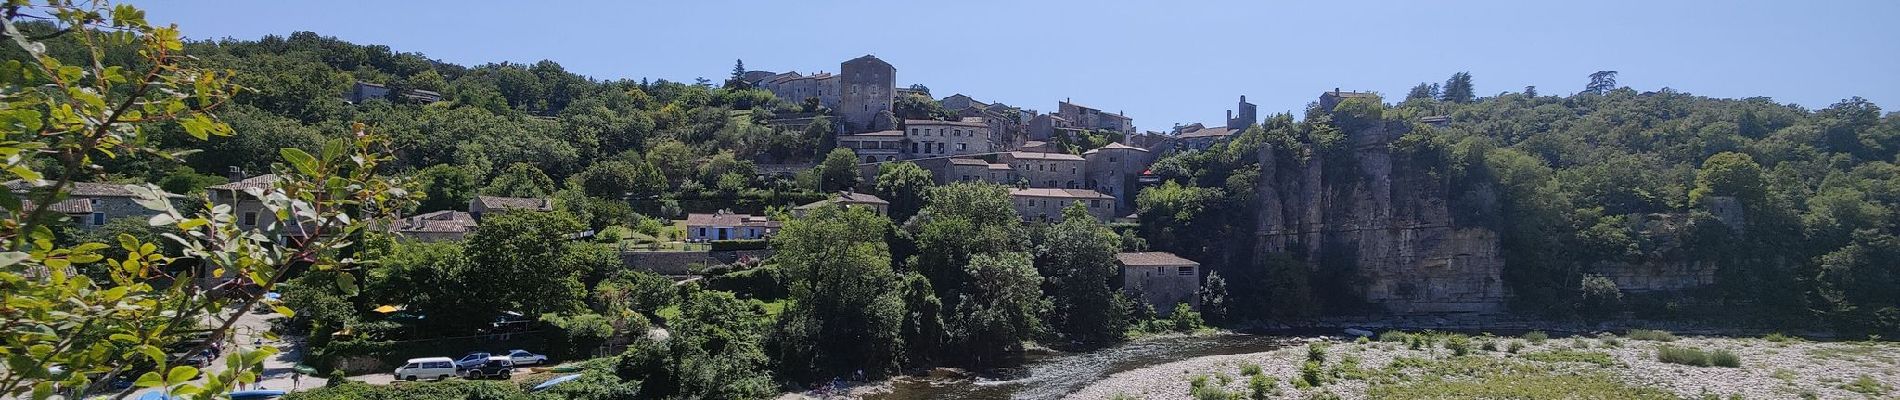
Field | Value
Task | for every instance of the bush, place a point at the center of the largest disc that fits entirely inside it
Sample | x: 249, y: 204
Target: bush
x: 1262, y: 387
x: 1395, y: 336
x: 1725, y: 358
x: 1250, y: 369
x: 1536, y: 337
x: 1601, y: 298
x: 739, y: 244
x: 1488, y: 345
x: 1185, y: 319
x: 1697, y: 357
x: 1311, y: 375
x: 1866, y: 385
x: 1316, y: 352
x: 1778, y: 337
x: 1516, y: 346
x: 1458, y: 344
x: 1651, y: 335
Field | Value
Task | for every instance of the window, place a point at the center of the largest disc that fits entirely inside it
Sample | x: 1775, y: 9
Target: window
x: 702, y: 231
x: 1187, y: 271
x: 940, y: 147
x: 1111, y: 158
x: 913, y: 147
x: 98, y: 219
x: 913, y: 131
x: 1160, y: 270
x: 250, y: 219
x: 1095, y: 203
x: 889, y: 158
x: 870, y: 159
x: 963, y: 146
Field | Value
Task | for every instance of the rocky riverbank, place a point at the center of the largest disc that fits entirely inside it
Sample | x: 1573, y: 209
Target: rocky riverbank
x: 1456, y: 366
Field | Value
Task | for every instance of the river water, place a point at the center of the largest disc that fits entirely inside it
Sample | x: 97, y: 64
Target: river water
x: 1048, y: 377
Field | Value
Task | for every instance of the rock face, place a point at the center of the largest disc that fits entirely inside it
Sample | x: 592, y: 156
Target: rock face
x: 1388, y: 223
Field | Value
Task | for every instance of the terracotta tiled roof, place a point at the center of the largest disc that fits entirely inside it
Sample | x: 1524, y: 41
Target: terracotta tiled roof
x: 1209, y: 132
x: 878, y: 133
x: 1152, y: 259
x: 847, y: 198
x: 81, y: 189
x: 439, y: 221
x: 1061, y: 193
x: 69, y: 206
x: 913, y: 122
x: 1004, y: 167
x: 1114, y: 146
x: 260, y: 181
x: 510, y: 203
x: 968, y: 161
x: 729, y: 219
x: 1025, y: 155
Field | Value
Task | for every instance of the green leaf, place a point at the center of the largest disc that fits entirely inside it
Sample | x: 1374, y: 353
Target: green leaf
x: 181, y: 374
x: 346, y: 283
x: 149, y: 379
x: 285, y: 311
x: 12, y: 257
x: 299, y: 159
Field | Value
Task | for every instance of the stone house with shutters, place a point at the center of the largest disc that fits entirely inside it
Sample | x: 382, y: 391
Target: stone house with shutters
x: 933, y: 138
x: 1047, y: 204
x: 1115, y: 170
x: 848, y: 199
x: 445, y: 225
x: 1161, y: 279
x: 1047, y: 170
x: 725, y: 225
x: 90, y: 205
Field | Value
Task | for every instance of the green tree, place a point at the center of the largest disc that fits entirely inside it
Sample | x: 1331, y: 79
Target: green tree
x: 1000, y: 308
x: 845, y: 312
x: 839, y: 171
x: 446, y: 187
x: 903, y: 184
x: 520, y: 180
x: 1078, y: 257
x: 716, y: 351
x: 1458, y: 89
x: 527, y: 247
x: 620, y: 180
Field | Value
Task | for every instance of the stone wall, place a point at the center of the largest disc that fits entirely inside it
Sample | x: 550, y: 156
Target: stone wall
x: 679, y: 262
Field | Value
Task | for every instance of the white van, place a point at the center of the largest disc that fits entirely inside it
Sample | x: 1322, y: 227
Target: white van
x: 426, y: 368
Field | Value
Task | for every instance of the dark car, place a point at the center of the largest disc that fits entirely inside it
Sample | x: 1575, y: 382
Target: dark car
x: 498, y: 367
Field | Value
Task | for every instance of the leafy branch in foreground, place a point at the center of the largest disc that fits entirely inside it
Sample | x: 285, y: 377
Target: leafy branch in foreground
x: 72, y: 320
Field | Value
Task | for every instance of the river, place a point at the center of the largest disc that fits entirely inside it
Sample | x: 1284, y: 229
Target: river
x: 1049, y: 377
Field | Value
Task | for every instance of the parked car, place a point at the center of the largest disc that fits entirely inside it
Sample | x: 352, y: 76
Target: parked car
x: 493, y: 367
x: 426, y: 368
x: 523, y: 357
x: 471, y: 360
x: 199, y: 359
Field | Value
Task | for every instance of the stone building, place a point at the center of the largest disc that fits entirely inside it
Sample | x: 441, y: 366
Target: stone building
x: 1046, y: 170
x: 445, y: 225
x: 932, y: 138
x: 1249, y: 115
x: 1162, y: 279
x: 365, y: 91
x: 848, y: 199
x: 1330, y: 100
x: 89, y: 204
x: 250, y: 212
x: 961, y: 169
x: 725, y: 225
x: 1091, y: 118
x: 1114, y: 169
x: 1046, y: 204
x: 1196, y: 137
x: 876, y: 146
x: 868, y: 86
x: 795, y: 87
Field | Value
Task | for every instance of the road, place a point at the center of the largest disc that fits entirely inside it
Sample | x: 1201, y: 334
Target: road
x: 278, y: 369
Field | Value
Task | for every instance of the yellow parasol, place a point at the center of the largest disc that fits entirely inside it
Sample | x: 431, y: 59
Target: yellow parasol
x: 386, y: 309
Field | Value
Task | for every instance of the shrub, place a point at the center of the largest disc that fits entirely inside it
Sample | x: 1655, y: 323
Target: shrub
x: 1536, y: 337
x: 1458, y: 344
x: 1362, y: 340
x: 1601, y: 298
x: 1488, y: 345
x: 1316, y: 352
x: 739, y: 244
x: 1610, y: 341
x: 1394, y: 336
x: 1698, y: 357
x: 1185, y: 319
x: 1866, y: 385
x: 1651, y: 335
x: 1262, y: 387
x: 1567, y: 355
x: 1778, y: 337
x: 1250, y: 369
x: 1725, y: 358
x: 1516, y: 346
x: 1311, y: 375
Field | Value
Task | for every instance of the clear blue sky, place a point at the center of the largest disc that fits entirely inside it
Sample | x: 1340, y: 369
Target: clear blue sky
x: 1163, y: 62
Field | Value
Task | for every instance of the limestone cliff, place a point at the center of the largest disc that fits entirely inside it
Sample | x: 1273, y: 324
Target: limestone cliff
x: 1390, y: 224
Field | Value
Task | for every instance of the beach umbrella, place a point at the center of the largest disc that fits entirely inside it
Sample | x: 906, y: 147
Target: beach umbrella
x: 258, y: 394
x: 154, y: 396
x: 556, y: 381
x: 305, y: 369
x: 273, y: 295
x: 386, y: 309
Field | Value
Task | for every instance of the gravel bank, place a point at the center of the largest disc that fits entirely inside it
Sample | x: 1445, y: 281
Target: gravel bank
x: 1770, y: 370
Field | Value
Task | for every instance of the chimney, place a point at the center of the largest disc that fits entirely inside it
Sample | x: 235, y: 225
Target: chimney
x: 1335, y: 89
x: 1243, y: 98
x: 234, y: 174
x: 1230, y: 114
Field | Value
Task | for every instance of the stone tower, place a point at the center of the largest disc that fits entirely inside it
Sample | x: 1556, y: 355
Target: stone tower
x: 867, y: 85
x: 1248, y: 115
